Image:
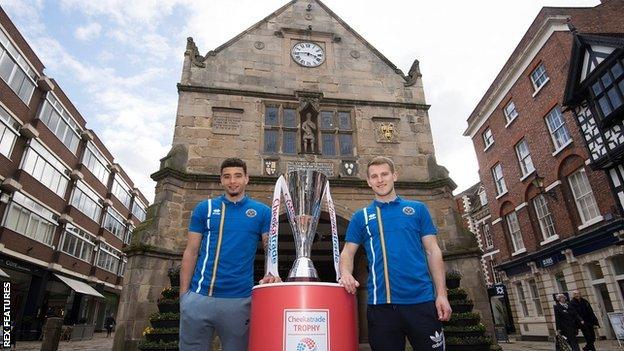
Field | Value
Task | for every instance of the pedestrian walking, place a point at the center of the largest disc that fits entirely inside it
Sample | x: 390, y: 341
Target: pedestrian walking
x: 109, y: 324
x: 406, y: 284
x: 567, y: 321
x: 588, y: 319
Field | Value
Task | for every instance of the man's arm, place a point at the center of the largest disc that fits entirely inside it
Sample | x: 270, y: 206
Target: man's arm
x: 436, y: 268
x: 189, y: 259
x: 269, y: 278
x: 346, y: 267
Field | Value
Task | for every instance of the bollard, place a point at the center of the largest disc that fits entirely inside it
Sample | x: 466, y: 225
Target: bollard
x: 51, y: 334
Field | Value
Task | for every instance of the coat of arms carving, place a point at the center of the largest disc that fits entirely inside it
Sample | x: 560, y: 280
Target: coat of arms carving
x: 270, y: 167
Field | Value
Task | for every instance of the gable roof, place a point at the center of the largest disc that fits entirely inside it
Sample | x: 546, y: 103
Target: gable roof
x: 409, y: 79
x: 579, y: 69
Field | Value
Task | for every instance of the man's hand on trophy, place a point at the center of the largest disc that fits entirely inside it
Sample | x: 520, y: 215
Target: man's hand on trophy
x: 270, y: 278
x: 349, y: 283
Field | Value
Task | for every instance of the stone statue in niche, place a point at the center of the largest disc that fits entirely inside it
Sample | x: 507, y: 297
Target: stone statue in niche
x: 308, y: 131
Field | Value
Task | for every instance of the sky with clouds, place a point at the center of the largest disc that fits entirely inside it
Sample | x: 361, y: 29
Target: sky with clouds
x: 119, y: 60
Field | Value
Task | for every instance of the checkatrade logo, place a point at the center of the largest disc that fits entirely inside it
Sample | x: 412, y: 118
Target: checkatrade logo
x: 306, y: 344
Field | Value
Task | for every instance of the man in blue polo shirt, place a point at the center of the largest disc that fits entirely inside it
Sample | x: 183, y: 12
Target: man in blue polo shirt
x: 406, y: 281
x: 217, y: 266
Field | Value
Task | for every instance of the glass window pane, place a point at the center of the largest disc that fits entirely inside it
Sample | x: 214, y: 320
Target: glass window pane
x: 270, y: 117
x: 327, y: 120
x: 290, y: 146
x: 329, y: 145
x: 616, y: 70
x: 344, y: 119
x: 270, y: 140
x: 290, y: 118
x: 606, y: 80
x: 6, y: 67
x: 346, y: 144
x: 597, y: 88
x: 604, y: 106
x: 616, y: 101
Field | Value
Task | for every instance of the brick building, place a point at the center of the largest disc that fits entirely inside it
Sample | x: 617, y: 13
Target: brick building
x: 66, y: 208
x: 553, y: 218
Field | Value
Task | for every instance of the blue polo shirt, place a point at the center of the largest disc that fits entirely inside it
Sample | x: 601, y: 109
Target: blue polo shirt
x: 230, y: 233
x: 391, y: 235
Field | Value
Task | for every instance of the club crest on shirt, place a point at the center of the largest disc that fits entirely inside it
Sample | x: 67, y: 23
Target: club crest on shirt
x: 216, y: 212
x: 408, y: 210
x: 251, y: 213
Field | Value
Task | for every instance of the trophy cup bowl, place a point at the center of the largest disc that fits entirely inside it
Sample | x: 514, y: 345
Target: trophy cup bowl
x: 306, y: 191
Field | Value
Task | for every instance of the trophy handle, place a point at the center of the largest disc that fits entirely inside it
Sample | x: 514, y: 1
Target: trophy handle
x: 334, y: 230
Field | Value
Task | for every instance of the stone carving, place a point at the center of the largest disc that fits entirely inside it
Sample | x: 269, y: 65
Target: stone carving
x: 193, y: 52
x: 386, y: 129
x: 325, y: 168
x: 259, y: 45
x: 348, y: 169
x: 309, y: 98
x: 226, y: 121
x: 355, y: 54
x: 308, y: 129
x: 413, y: 74
x: 270, y: 167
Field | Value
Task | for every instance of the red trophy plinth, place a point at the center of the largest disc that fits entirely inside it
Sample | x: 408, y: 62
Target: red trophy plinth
x: 302, y: 316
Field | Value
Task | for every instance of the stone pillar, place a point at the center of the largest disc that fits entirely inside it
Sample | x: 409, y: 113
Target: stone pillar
x: 544, y: 286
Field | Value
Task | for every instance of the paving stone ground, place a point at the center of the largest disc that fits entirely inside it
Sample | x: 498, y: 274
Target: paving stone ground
x: 602, y: 345
x: 99, y: 343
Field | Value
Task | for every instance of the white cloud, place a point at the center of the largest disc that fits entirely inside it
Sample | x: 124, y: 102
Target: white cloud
x: 89, y: 32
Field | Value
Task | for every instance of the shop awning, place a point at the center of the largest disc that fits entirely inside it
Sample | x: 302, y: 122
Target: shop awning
x: 3, y: 274
x: 79, y: 286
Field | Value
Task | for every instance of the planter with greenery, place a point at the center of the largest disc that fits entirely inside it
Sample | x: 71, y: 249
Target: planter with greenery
x: 168, y: 305
x: 453, y: 278
x: 464, y: 332
x: 174, y: 276
x: 165, y: 335
x: 165, y: 320
x: 158, y: 346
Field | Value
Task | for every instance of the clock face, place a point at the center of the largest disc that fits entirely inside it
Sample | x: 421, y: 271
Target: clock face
x: 308, y: 54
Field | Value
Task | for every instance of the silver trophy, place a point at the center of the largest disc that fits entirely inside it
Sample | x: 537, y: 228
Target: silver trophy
x: 306, y: 191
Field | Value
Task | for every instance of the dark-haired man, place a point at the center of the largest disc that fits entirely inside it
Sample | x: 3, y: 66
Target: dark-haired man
x: 217, y: 266
x: 406, y: 280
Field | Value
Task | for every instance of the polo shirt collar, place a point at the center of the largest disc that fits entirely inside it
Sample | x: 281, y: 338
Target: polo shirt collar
x: 237, y: 203
x: 397, y: 200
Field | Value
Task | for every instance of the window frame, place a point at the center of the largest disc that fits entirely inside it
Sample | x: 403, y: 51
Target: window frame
x: 9, y: 50
x: 616, y: 85
x: 524, y: 161
x: 583, y: 175
x: 544, y: 220
x: 515, y: 232
x: 120, y: 220
x: 89, y: 194
x: 487, y: 235
x: 510, y: 112
x: 11, y: 125
x: 34, y: 208
x: 535, y: 79
x: 487, y: 141
x: 41, y: 152
x: 112, y: 252
x: 562, y: 128
x: 64, y: 116
x: 86, y: 240
x: 501, y: 186
x: 336, y: 130
x: 96, y: 158
x: 281, y: 129
x: 534, y: 293
x: 122, y: 191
